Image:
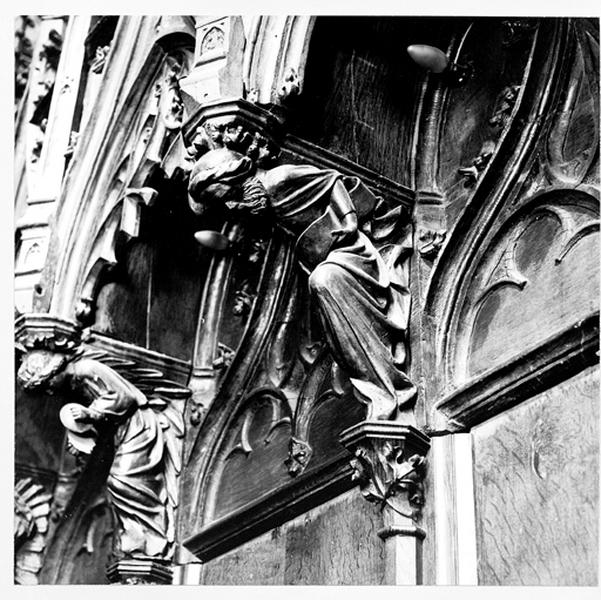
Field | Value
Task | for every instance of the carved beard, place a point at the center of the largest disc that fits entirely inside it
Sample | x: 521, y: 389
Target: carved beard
x: 253, y: 199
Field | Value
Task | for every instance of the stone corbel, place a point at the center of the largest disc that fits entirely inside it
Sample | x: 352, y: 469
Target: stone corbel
x: 389, y: 463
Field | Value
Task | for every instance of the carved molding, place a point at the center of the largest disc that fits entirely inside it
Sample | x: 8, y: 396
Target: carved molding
x: 40, y: 330
x: 287, y: 39
x: 271, y: 511
x: 448, y: 284
x: 297, y: 150
x: 556, y: 359
x: 25, y: 31
x: 132, y: 188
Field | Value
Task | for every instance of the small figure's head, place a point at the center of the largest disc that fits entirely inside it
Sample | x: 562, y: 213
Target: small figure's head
x: 40, y: 368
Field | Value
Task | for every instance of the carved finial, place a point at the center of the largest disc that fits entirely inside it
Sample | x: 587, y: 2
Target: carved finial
x: 472, y: 173
x: 299, y: 456
x: 430, y: 242
x: 290, y: 85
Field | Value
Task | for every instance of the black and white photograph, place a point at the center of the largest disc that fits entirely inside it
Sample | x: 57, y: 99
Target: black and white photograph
x: 305, y: 299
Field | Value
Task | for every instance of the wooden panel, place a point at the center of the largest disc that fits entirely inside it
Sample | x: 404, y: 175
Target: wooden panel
x: 259, y: 562
x: 536, y: 480
x: 554, y: 296
x: 122, y: 305
x: 538, y: 277
x: 38, y: 432
x: 334, y: 544
x: 360, y: 87
x: 178, y: 273
x: 328, y: 421
x: 252, y: 459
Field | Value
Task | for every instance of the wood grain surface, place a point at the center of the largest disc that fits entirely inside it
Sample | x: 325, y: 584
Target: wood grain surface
x: 334, y: 544
x: 536, y: 480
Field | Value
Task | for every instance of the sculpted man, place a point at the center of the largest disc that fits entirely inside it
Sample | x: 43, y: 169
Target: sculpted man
x: 145, y: 428
x: 362, y: 306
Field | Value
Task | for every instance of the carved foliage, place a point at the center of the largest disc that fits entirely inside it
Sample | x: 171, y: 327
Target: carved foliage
x: 385, y: 474
x: 389, y: 464
x: 32, y: 509
x: 234, y: 135
x: 430, y: 242
x: 99, y: 60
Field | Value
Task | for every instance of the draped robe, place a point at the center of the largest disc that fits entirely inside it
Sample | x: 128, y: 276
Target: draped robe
x: 136, y: 481
x: 362, y: 303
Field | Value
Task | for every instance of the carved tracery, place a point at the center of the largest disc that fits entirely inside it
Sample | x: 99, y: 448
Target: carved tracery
x: 135, y: 182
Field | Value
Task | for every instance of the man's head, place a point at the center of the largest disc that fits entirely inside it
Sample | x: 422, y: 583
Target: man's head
x: 224, y: 177
x: 217, y: 177
x: 39, y: 368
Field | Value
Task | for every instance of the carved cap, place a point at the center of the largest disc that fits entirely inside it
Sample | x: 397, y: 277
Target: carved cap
x: 44, y: 332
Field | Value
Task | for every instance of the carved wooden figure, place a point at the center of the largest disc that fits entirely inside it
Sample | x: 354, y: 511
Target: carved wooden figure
x: 362, y: 303
x: 142, y: 412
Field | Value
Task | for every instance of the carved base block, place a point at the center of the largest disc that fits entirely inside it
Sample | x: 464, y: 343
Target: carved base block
x: 140, y: 571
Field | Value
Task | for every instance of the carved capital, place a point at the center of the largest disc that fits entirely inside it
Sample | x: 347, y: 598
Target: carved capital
x: 42, y: 331
x: 389, y: 463
x: 237, y: 125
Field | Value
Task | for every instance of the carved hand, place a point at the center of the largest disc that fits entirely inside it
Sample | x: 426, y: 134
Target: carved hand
x: 80, y: 413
